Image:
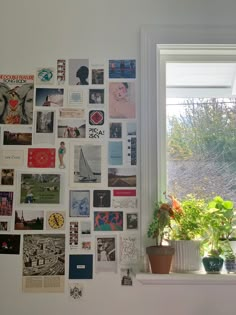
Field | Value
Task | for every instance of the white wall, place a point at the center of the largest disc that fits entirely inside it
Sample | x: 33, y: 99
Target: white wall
x: 35, y: 33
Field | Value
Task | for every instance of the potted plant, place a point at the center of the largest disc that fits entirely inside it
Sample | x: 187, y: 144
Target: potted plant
x: 185, y: 234
x: 229, y: 257
x: 216, y: 223
x: 160, y: 256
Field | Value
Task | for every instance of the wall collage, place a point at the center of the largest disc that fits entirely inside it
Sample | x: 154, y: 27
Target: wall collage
x: 68, y: 202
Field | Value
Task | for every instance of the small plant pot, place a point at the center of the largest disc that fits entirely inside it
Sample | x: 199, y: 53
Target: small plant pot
x: 213, y: 264
x: 160, y: 258
x: 230, y: 265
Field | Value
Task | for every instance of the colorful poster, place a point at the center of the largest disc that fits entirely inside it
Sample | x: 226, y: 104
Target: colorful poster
x: 122, y: 69
x: 108, y: 221
x: 16, y: 99
x: 6, y: 203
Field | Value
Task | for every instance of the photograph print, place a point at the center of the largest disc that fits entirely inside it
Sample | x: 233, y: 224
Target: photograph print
x: 96, y: 96
x: 122, y: 177
x: 87, y: 163
x: 106, y: 260
x: 49, y: 97
x: 119, y: 69
x: 29, y: 220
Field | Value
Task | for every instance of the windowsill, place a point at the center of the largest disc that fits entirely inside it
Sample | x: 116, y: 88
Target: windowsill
x: 186, y: 279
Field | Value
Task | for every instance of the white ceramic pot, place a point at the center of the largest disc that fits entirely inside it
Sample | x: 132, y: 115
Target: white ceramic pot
x: 187, y: 256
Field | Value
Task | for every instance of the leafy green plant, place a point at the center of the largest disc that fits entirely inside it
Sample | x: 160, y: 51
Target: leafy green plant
x: 217, y: 224
x: 186, y: 224
x: 161, y: 220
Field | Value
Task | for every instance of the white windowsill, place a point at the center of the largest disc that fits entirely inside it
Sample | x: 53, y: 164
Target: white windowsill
x: 186, y: 279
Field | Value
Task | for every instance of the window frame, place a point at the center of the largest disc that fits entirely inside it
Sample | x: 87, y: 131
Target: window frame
x: 157, y: 40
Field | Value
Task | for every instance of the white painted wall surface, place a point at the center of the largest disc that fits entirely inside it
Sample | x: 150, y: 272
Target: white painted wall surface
x: 35, y: 33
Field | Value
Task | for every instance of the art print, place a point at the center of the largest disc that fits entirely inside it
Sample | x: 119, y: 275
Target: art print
x: 96, y: 117
x: 124, y: 192
x: 122, y: 69
x: 77, y: 97
x: 11, y: 158
x: 108, y: 221
x: 106, y: 254
x: 102, y: 198
x: 121, y: 177
x: 115, y: 153
x: 55, y: 220
x: 88, y: 164
x: 37, y: 188
x: 71, y: 128
x: 29, y: 220
x: 16, y: 99
x: 44, y: 122
x: 115, y: 130
x: 19, y: 136
x: 71, y: 113
x: 124, y: 202
x: 45, y: 75
x: 128, y: 249
x: 122, y: 100
x: 97, y: 75
x: 78, y: 71
x: 7, y: 176
x: 10, y: 244
x: 6, y: 203
x: 79, y: 203
x: 41, y: 157
x: 49, y: 97
x: 131, y: 129
x: 86, y: 245
x: 81, y: 266
x: 96, y: 96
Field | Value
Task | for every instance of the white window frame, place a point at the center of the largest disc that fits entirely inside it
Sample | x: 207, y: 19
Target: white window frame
x: 157, y: 39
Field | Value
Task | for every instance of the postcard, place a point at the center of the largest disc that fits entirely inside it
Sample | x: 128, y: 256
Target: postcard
x: 106, y: 255
x: 7, y: 176
x: 102, y: 198
x: 96, y: 96
x: 17, y: 136
x: 38, y: 188
x: 122, y: 100
x: 121, y: 177
x: 17, y: 91
x: 61, y: 71
x: 9, y: 244
x: 29, y: 220
x: 71, y: 113
x: 6, y: 203
x: 45, y: 75
x: 79, y: 203
x: 49, y: 97
x: 78, y: 71
x: 11, y: 158
x: 115, y: 153
x: 124, y: 192
x: 41, y: 157
x: 122, y: 69
x: 55, y: 220
x: 132, y: 221
x: 77, y: 96
x: 81, y: 266
x: 76, y: 291
x: 97, y: 75
x: 85, y: 228
x: 108, y: 221
x: 124, y: 202
x: 115, y: 130
x: 71, y: 128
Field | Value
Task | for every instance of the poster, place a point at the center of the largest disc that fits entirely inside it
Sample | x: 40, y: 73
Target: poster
x: 106, y: 254
x: 16, y: 99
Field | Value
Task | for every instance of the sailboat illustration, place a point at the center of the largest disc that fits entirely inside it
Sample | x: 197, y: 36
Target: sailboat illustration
x: 85, y: 172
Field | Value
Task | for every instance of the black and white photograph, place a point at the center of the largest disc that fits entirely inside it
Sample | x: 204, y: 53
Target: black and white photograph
x: 131, y: 221
x: 106, y: 255
x: 115, y: 130
x: 7, y: 176
x: 126, y: 276
x: 85, y: 228
x: 96, y: 96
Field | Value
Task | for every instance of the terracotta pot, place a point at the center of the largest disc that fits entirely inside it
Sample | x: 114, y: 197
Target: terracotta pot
x: 160, y: 258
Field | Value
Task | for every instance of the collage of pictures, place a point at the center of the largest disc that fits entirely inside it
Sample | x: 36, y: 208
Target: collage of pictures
x: 68, y: 175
